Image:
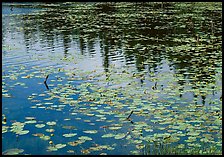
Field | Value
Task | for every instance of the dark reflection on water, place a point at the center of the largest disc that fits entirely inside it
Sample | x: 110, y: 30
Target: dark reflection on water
x: 142, y: 35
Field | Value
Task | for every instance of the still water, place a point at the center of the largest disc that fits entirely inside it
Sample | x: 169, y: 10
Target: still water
x: 120, y: 76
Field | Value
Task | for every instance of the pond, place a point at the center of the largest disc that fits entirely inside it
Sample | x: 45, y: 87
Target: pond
x: 111, y: 78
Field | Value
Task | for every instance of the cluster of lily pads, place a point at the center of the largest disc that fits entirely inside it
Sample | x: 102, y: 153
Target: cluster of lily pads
x: 176, y: 119
x: 134, y: 105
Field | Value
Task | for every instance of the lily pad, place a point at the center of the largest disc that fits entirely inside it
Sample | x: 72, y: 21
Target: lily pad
x: 77, y: 142
x: 45, y: 137
x: 85, y: 138
x: 51, y: 123
x: 69, y: 135
x: 49, y: 130
x: 23, y: 132
x: 114, y: 128
x: 4, y: 129
x: 13, y: 151
x: 59, y: 146
x: 31, y: 122
x: 40, y: 125
x: 51, y: 148
x: 120, y: 136
x: 90, y: 131
x: 108, y: 135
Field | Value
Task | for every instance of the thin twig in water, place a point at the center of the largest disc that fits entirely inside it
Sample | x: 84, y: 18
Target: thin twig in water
x: 45, y: 82
x: 130, y: 114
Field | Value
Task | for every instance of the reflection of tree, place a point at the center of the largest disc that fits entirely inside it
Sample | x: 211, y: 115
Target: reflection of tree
x: 195, y: 69
x: 104, y: 51
x: 56, y: 23
x: 66, y: 43
x: 139, y: 33
x: 30, y: 32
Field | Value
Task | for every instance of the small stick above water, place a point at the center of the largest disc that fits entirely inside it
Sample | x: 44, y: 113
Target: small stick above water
x: 45, y: 82
x: 46, y: 79
x: 130, y: 114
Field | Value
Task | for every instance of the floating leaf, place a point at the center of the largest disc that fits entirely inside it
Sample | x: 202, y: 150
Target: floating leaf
x: 108, y: 135
x: 31, y: 122
x: 85, y: 151
x: 137, y: 141
x: 59, y: 146
x: 23, y: 132
x: 49, y: 130
x: 38, y: 134
x: 45, y: 137
x: 90, y: 131
x: 40, y: 125
x: 85, y: 138
x: 77, y: 142
x: 30, y: 118
x: 13, y: 151
x: 140, y: 146
x: 69, y: 135
x: 4, y: 129
x: 18, y: 124
x: 120, y: 136
x: 69, y: 127
x: 114, y: 128
x: 51, y: 148
x: 51, y: 123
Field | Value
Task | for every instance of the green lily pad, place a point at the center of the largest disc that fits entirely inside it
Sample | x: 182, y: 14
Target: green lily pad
x: 31, y: 122
x: 40, y: 125
x: 51, y: 148
x: 49, y: 130
x: 23, y: 132
x: 51, y: 123
x: 30, y: 118
x: 114, y: 128
x: 90, y: 131
x: 59, y: 146
x: 69, y: 135
x: 45, y: 137
x: 18, y: 124
x: 13, y: 151
x: 4, y: 129
x: 77, y: 142
x: 85, y: 138
x: 120, y: 136
x: 108, y: 135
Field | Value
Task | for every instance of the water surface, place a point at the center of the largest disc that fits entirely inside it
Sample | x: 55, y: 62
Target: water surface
x: 160, y: 60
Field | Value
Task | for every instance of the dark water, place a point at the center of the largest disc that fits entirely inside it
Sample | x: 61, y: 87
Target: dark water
x: 151, y: 53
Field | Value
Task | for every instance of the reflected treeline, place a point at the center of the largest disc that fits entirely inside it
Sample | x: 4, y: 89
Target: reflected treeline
x: 140, y: 32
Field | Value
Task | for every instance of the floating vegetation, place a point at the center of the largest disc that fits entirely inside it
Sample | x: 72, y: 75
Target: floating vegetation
x: 4, y: 129
x: 69, y: 135
x: 120, y: 136
x: 17, y: 128
x: 90, y: 131
x: 13, y: 151
x: 85, y: 138
x: 45, y: 137
x: 51, y: 123
x: 40, y: 125
x: 181, y: 149
x: 146, y: 74
x: 55, y: 147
